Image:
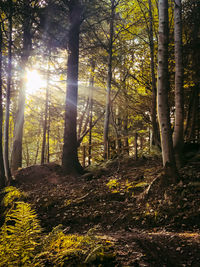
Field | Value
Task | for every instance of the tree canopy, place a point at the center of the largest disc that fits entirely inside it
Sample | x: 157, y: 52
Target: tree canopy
x: 105, y: 53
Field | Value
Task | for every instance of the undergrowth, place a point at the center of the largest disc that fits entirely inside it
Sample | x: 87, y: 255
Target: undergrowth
x: 116, y: 185
x: 23, y: 243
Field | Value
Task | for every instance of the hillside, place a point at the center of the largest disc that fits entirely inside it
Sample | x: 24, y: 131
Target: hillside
x: 160, y: 228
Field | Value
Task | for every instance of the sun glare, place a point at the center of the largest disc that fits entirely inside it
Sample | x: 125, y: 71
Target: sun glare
x: 34, y: 81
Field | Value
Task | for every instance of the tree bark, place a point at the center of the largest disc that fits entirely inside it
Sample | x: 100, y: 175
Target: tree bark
x: 109, y: 80
x: 70, y: 162
x: 192, y: 115
x: 126, y: 141
x: 2, y: 171
x: 16, y: 156
x: 91, y: 87
x: 44, y: 139
x: 179, y: 106
x: 192, y: 130
x: 48, y: 138
x: 155, y: 128
x: 118, y: 126
x: 162, y: 95
x: 7, y: 112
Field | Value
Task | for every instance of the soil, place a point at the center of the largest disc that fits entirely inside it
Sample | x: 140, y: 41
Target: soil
x: 161, y: 228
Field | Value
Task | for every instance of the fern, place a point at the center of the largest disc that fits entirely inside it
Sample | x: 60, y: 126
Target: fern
x: 21, y: 243
x: 19, y: 236
x: 59, y: 249
x: 11, y: 195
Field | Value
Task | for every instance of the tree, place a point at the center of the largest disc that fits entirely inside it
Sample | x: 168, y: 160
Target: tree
x: 191, y: 56
x: 162, y: 94
x: 155, y: 130
x: 8, y: 89
x: 16, y: 156
x: 45, y: 126
x: 70, y: 162
x: 109, y: 78
x: 179, y: 106
x: 2, y: 171
x: 91, y: 85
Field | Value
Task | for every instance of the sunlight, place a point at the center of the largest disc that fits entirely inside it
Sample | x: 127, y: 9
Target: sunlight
x: 34, y: 81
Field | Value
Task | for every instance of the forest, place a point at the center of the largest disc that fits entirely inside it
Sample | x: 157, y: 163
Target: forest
x: 100, y: 133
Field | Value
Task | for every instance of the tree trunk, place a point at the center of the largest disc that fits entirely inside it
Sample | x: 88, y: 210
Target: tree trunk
x: 155, y: 128
x: 118, y: 123
x: 37, y: 151
x: 16, y: 156
x: 192, y: 115
x: 70, y: 162
x: 7, y: 113
x: 162, y: 94
x: 192, y: 130
x: 179, y: 106
x: 91, y: 87
x: 2, y: 171
x: 126, y: 142
x: 26, y: 156
x: 136, y: 146
x: 109, y: 80
x: 45, y: 128
x: 48, y: 138
x: 84, y: 116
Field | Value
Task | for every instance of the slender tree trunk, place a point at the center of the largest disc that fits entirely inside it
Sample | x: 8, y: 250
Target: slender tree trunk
x: 179, y: 106
x: 126, y: 142
x: 192, y: 114
x: 87, y: 131
x: 189, y: 113
x: 91, y: 87
x: 136, y: 146
x: 2, y: 171
x: 118, y: 130
x: 7, y: 113
x: 155, y: 128
x: 48, y: 139
x: 109, y: 80
x: 16, y: 156
x: 44, y: 139
x: 70, y: 162
x: 84, y: 114
x: 27, y: 158
x: 37, y: 151
x: 162, y: 94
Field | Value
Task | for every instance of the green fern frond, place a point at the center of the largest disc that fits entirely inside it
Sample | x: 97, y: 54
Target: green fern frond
x: 11, y: 194
x: 63, y: 250
x: 21, y: 243
x: 19, y: 236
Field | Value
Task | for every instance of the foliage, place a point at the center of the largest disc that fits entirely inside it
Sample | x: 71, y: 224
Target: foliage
x: 22, y: 242
x: 117, y: 186
x: 131, y: 75
x: 11, y: 195
x: 19, y: 236
x: 154, y: 152
x: 61, y: 250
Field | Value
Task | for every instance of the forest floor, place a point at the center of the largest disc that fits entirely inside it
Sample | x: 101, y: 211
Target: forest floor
x: 162, y: 229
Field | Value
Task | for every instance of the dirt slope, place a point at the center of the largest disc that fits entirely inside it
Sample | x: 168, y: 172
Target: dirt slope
x: 160, y: 231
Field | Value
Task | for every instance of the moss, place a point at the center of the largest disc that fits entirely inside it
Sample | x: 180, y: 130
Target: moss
x: 119, y: 186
